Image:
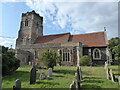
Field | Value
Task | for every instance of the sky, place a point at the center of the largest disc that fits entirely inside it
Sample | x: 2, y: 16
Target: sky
x: 60, y: 16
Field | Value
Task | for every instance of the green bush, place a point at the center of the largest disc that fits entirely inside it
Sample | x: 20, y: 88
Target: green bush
x: 49, y: 58
x: 9, y: 62
x: 85, y: 61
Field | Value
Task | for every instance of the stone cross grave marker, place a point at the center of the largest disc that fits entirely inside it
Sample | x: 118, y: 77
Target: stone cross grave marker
x: 49, y: 72
x: 33, y: 75
x: 119, y: 80
x: 112, y: 76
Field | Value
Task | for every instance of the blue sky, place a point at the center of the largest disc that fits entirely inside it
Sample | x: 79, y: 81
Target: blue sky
x: 59, y: 17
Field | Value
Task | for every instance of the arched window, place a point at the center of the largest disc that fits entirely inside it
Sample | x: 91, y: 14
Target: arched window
x: 96, y: 53
x: 26, y: 22
x: 65, y: 54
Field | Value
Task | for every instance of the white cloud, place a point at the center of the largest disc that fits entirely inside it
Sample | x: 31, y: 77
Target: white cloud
x: 7, y: 42
x: 84, y: 17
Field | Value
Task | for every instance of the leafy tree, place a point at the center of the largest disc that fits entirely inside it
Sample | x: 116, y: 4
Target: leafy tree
x: 85, y: 60
x: 114, y: 46
x: 9, y: 62
x: 50, y: 58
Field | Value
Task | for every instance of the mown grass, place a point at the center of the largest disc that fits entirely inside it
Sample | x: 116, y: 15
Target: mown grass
x: 61, y: 78
x: 93, y: 77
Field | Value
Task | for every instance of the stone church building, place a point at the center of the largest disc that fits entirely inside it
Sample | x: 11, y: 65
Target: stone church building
x: 31, y: 42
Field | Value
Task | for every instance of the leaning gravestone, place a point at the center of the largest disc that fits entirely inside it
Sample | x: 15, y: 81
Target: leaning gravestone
x: 17, y: 85
x: 80, y: 73
x: 108, y: 73
x: 119, y: 80
x: 112, y: 76
x: 49, y: 72
x: 77, y: 81
x: 33, y: 75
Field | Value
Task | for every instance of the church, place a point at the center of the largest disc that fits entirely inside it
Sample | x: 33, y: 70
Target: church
x: 31, y: 42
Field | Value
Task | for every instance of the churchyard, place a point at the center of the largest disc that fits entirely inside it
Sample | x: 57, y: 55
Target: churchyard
x: 62, y: 77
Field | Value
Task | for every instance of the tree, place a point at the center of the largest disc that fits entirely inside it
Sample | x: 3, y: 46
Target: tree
x: 50, y: 58
x: 85, y: 60
x: 114, y: 46
x: 9, y: 62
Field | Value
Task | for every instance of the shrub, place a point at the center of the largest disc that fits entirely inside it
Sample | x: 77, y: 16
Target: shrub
x: 85, y: 60
x: 50, y: 58
x: 9, y: 62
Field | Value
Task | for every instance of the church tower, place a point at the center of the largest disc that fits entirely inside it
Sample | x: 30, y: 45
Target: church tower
x: 31, y: 27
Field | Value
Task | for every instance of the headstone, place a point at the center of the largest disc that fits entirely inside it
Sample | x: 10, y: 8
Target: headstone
x: 49, y: 72
x: 78, y: 74
x: 73, y: 85
x: 30, y: 63
x: 106, y: 66
x: 42, y: 76
x: 17, y: 85
x: 119, y: 80
x: 108, y: 73
x: 33, y: 75
x: 80, y: 71
x: 77, y: 81
x: 112, y: 76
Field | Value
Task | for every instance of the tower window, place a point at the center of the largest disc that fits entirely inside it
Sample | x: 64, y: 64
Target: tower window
x: 96, y: 54
x: 26, y: 22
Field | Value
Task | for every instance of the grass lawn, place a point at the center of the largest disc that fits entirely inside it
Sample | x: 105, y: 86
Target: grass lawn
x: 62, y: 78
x: 94, y: 77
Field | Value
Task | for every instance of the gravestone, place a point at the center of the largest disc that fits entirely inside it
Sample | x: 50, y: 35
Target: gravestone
x: 42, y: 76
x: 119, y: 80
x: 49, y: 72
x: 30, y: 63
x: 77, y: 81
x: 17, y: 85
x: 106, y: 66
x: 108, y: 73
x: 71, y: 86
x: 80, y: 73
x: 33, y: 75
x: 112, y: 76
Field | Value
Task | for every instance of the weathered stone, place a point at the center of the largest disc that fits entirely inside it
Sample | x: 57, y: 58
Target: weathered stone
x: 49, y: 72
x: 108, y: 73
x: 119, y: 80
x: 112, y: 76
x: 33, y: 75
x: 73, y: 85
x: 42, y: 76
x: 77, y: 81
x: 80, y: 71
x: 18, y: 84
x: 106, y: 66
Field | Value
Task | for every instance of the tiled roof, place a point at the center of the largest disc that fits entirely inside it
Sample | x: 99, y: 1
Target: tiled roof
x: 97, y: 39
x: 58, y: 38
